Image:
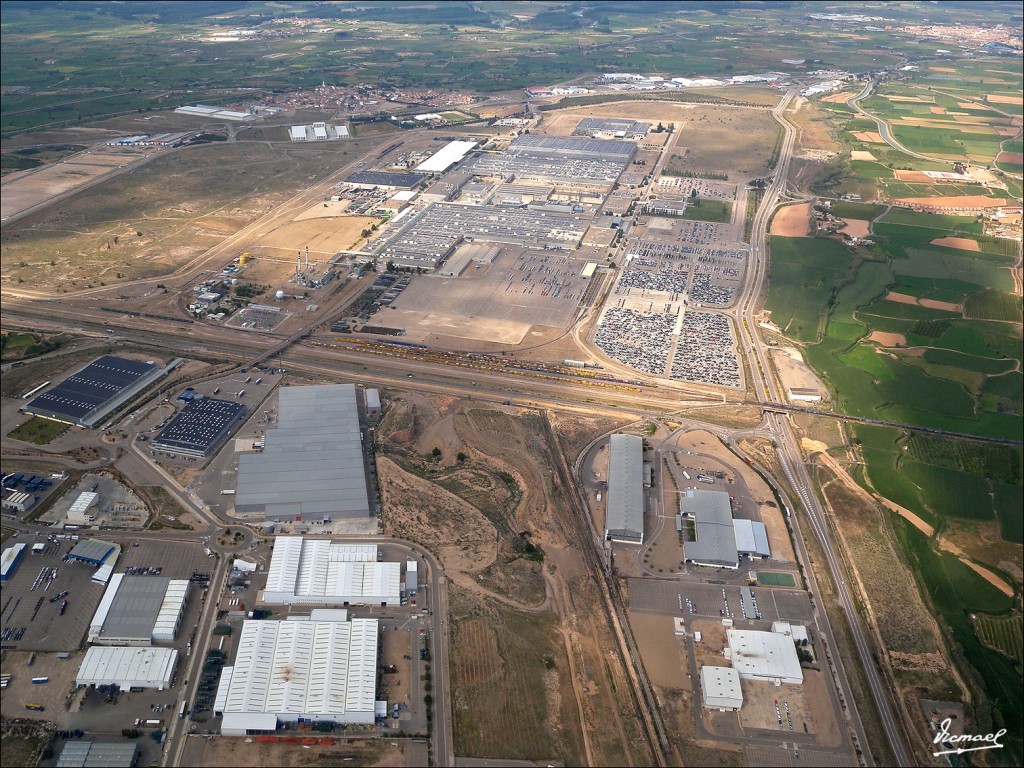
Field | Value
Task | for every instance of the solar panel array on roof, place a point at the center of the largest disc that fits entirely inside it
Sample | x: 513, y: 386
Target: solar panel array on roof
x: 386, y: 179
x: 84, y: 394
x: 571, y: 146
x: 200, y: 427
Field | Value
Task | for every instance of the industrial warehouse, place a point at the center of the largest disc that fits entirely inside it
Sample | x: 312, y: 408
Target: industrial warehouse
x: 721, y: 688
x: 317, y: 670
x: 128, y: 668
x: 765, y: 656
x: 90, y: 395
x: 201, y: 427
x: 319, y: 572
x: 386, y: 179
x: 139, y: 611
x: 313, y: 464
x: 720, y: 539
x: 624, y: 519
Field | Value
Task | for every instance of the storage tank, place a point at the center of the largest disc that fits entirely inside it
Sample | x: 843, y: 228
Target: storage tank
x: 243, y: 259
x: 279, y: 295
x: 234, y: 281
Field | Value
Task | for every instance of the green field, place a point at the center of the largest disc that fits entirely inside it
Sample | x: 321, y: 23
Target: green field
x: 39, y: 431
x: 1002, y: 633
x: 775, y: 579
x: 957, y: 592
x: 804, y: 274
x: 717, y: 211
x: 862, y: 211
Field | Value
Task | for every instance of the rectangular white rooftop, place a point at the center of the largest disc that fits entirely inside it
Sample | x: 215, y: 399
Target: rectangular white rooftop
x: 766, y: 656
x: 128, y: 667
x: 316, y: 670
x: 446, y: 157
x: 321, y: 572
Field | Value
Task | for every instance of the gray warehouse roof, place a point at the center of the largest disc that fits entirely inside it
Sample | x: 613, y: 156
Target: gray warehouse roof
x: 135, y: 608
x: 97, y: 754
x: 91, y: 550
x: 624, y: 519
x: 312, y: 464
x: 716, y: 536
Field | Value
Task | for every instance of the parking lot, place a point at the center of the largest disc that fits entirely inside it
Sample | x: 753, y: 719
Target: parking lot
x: 706, y: 352
x: 27, y: 612
x: 713, y: 190
x: 641, y: 341
x: 522, y: 285
x: 175, y: 559
x: 706, y: 600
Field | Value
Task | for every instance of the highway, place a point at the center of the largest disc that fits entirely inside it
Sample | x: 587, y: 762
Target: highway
x: 767, y: 388
x: 224, y: 344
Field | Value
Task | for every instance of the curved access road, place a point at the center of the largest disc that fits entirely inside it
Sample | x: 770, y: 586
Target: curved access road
x: 883, y: 127
x: 768, y: 389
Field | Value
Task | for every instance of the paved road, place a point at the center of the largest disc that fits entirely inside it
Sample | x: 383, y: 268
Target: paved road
x: 883, y: 127
x: 767, y: 388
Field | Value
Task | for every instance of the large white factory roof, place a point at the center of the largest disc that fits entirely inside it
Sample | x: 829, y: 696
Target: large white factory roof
x: 624, y: 519
x: 320, y: 670
x: 315, y: 571
x: 447, y: 156
x: 765, y: 656
x: 128, y: 667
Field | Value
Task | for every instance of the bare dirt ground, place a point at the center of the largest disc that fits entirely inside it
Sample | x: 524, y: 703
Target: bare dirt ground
x: 324, y: 237
x: 962, y: 243
x: 999, y: 98
x: 793, y: 221
x: 861, y: 154
x: 717, y: 138
x: 902, y: 298
x: 857, y: 227
x: 794, y: 372
x: 888, y: 339
x: 324, y: 210
x: 367, y: 752
x: 24, y: 189
x: 661, y: 650
x: 868, y: 137
x: 839, y: 98
x: 956, y: 201
x: 527, y: 614
x: 1010, y: 157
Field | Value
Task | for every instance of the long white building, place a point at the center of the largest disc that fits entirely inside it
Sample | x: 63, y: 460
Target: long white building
x: 319, y: 572
x: 624, y: 516
x: 291, y: 670
x: 128, y: 668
